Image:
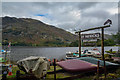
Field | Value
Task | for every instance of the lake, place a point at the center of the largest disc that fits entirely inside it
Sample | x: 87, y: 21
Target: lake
x: 18, y: 53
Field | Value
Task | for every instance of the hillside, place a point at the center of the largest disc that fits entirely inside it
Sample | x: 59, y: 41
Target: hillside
x: 27, y: 31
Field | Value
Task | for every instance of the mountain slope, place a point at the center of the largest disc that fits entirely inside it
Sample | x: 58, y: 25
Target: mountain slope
x: 31, y: 31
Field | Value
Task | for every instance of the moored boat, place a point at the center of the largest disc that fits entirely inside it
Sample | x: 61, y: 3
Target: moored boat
x: 90, y: 53
x: 73, y: 55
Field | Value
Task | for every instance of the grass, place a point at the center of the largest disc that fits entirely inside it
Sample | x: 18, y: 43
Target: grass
x: 14, y: 70
x: 109, y: 76
x: 52, y: 68
x: 111, y: 52
x: 60, y: 75
x: 84, y: 78
x: 49, y: 76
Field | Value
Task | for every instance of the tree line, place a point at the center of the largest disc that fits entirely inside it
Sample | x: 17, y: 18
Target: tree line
x: 114, y: 41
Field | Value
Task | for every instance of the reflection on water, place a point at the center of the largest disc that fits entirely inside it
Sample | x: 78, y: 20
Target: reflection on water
x: 18, y: 53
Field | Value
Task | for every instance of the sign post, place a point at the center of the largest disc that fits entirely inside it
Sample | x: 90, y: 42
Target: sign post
x: 102, y: 42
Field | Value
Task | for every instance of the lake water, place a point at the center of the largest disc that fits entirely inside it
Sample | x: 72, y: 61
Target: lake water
x: 18, y: 53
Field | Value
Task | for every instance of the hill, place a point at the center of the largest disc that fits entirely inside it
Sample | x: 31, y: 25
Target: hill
x: 27, y: 31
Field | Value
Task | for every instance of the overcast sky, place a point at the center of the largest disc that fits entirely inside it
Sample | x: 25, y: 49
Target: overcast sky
x: 66, y: 15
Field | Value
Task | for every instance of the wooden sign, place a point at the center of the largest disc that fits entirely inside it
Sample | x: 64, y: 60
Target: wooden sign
x: 89, y: 40
x: 90, y: 36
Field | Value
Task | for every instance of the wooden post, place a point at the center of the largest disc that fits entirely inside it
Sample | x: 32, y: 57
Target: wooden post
x: 98, y: 64
x: 102, y: 44
x: 54, y: 69
x: 79, y: 44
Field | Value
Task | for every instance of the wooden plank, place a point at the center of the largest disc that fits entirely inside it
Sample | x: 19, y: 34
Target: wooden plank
x: 94, y: 28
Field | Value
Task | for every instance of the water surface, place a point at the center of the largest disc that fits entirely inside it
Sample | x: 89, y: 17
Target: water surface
x: 18, y: 53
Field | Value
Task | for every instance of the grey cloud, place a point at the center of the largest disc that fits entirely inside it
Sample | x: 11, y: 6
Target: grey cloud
x: 97, y: 13
x: 85, y: 5
x: 91, y: 14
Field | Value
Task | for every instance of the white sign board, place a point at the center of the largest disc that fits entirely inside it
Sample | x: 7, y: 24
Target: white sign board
x: 90, y: 36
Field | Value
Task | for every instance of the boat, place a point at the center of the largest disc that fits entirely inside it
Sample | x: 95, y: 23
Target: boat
x: 75, y: 65
x: 116, y: 57
x: 35, y: 65
x: 73, y: 55
x: 91, y: 53
x: 84, y: 64
x: 95, y: 61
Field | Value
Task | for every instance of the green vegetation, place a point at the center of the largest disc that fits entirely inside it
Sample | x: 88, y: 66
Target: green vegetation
x: 14, y: 70
x: 111, y: 52
x: 109, y: 42
x: 59, y: 43
x: 74, y: 44
x: 47, y: 44
x: 115, y: 40
x: 112, y: 75
x: 49, y: 76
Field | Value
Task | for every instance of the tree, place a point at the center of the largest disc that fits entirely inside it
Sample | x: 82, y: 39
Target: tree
x: 109, y: 42
x: 74, y: 44
x: 116, y: 37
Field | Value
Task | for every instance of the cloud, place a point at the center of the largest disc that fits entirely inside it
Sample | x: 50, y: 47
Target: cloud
x: 66, y: 15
